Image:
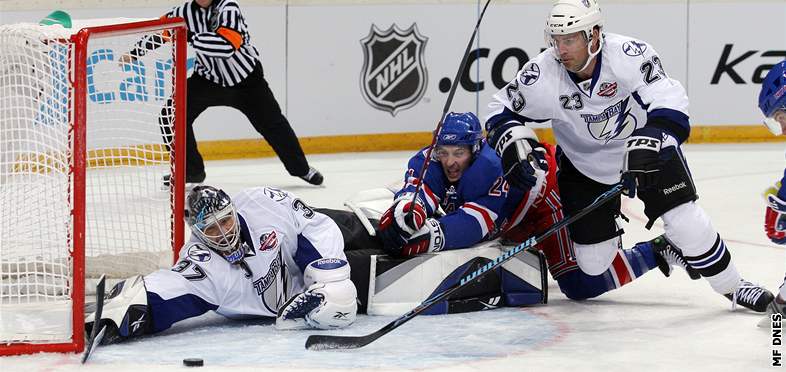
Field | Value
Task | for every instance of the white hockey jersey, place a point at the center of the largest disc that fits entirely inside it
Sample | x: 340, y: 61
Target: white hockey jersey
x: 282, y: 236
x: 592, y: 118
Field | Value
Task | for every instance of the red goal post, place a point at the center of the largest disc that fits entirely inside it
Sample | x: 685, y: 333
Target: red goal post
x: 83, y: 149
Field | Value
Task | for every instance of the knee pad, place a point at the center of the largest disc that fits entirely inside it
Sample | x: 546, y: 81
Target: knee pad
x: 595, y: 259
x: 689, y: 228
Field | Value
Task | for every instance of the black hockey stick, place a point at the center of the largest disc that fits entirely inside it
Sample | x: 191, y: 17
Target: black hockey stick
x: 95, y: 335
x: 445, y: 109
x: 328, y: 342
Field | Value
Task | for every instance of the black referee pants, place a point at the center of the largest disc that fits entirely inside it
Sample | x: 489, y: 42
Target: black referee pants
x: 255, y: 100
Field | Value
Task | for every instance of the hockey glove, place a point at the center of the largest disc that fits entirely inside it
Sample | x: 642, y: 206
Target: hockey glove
x: 641, y: 166
x: 430, y: 238
x: 521, y: 153
x: 397, y: 223
x: 330, y: 300
x: 775, y: 219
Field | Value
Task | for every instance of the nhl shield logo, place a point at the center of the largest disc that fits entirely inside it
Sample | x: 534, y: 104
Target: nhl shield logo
x: 394, y: 75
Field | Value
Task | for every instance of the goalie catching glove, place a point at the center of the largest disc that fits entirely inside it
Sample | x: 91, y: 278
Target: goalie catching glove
x: 521, y: 153
x: 329, y: 301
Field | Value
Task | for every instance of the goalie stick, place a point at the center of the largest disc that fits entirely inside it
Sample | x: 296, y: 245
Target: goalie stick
x: 328, y: 342
x: 95, y: 335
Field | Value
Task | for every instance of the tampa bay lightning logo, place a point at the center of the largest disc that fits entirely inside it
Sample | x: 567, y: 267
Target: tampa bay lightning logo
x: 634, y: 48
x: 198, y: 253
x: 530, y: 74
x: 275, y: 194
x: 267, y: 287
x: 616, y: 122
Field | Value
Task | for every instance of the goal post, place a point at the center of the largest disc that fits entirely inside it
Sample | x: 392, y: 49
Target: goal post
x: 85, y: 140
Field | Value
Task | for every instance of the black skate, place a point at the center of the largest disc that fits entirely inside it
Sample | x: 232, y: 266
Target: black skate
x: 750, y: 295
x: 667, y: 256
x: 313, y: 177
x: 191, y: 181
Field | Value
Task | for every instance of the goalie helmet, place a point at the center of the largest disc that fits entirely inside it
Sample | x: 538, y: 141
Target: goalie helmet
x: 772, y: 96
x: 461, y: 129
x: 569, y: 16
x: 212, y: 218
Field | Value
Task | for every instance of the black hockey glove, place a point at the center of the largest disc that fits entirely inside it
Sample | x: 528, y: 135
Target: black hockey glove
x: 641, y: 166
x: 521, y: 153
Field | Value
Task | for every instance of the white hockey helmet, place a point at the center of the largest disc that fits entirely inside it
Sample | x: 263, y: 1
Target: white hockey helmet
x: 570, y: 16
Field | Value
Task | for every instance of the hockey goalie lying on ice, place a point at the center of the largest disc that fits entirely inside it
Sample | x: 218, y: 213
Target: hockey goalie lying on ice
x: 266, y: 253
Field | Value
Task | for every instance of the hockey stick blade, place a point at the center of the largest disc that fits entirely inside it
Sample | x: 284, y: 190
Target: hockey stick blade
x: 95, y: 335
x: 332, y: 342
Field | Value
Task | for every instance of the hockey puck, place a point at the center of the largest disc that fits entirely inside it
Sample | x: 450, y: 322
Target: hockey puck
x: 193, y: 362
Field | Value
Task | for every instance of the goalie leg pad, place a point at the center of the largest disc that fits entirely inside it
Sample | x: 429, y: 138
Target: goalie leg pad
x: 125, y: 312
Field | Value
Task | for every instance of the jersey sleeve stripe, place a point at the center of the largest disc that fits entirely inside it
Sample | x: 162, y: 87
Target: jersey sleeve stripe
x: 484, y: 216
x: 306, y: 253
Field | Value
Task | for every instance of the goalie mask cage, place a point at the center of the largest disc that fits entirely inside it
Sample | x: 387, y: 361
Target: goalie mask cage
x: 85, y: 140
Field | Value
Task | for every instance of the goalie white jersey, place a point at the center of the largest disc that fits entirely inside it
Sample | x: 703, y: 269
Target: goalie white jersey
x: 592, y: 118
x: 281, y: 236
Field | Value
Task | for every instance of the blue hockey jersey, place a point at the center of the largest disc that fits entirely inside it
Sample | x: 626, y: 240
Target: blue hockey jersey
x: 476, y: 207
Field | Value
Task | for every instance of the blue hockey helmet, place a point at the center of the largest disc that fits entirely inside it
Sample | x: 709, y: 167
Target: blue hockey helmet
x: 773, y: 96
x: 461, y: 129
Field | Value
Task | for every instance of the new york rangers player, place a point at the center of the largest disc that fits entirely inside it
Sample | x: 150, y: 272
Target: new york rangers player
x: 262, y: 253
x: 465, y: 180
x: 614, y: 110
x: 772, y: 102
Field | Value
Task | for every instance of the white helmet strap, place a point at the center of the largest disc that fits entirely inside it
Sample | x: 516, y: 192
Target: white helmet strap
x: 589, y: 49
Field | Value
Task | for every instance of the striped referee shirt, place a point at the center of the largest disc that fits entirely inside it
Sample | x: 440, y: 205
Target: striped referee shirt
x: 218, y: 33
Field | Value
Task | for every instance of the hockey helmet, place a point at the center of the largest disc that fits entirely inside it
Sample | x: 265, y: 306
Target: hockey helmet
x: 212, y: 218
x: 772, y: 96
x: 569, y: 16
x: 461, y: 129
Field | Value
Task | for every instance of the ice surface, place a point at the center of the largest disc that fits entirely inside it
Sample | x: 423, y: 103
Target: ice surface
x: 652, y: 324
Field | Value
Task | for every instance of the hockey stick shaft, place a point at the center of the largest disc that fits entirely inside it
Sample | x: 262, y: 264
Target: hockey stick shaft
x: 327, y: 342
x: 448, y: 102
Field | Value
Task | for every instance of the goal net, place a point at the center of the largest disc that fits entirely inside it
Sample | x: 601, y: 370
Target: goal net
x: 85, y: 139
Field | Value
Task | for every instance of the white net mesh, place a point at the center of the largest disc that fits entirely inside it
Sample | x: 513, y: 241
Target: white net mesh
x: 128, y: 211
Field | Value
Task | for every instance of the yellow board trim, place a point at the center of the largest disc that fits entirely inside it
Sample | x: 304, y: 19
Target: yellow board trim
x: 256, y: 148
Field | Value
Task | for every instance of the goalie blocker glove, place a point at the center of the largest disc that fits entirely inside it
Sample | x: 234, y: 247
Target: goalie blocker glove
x: 520, y: 151
x: 125, y: 312
x: 329, y: 301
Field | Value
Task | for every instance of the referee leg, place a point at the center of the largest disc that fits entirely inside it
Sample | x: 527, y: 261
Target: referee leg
x: 265, y: 115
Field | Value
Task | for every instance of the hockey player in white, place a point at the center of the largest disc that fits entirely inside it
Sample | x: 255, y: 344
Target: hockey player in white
x: 772, y: 102
x: 614, y: 111
x: 263, y: 253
